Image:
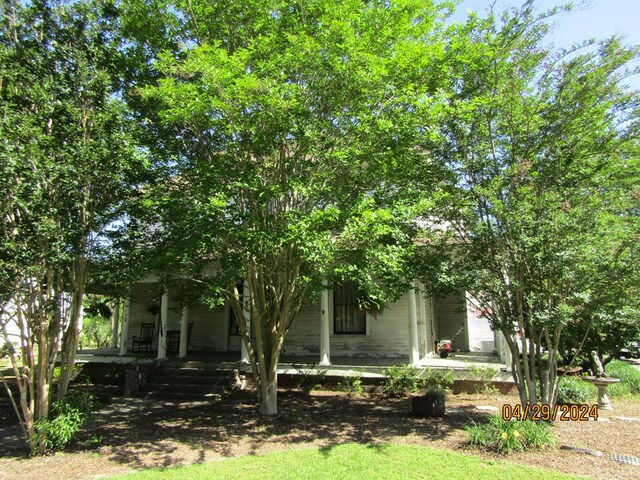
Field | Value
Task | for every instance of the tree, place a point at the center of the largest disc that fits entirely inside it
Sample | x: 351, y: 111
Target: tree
x: 284, y: 120
x: 537, y: 144
x: 67, y: 165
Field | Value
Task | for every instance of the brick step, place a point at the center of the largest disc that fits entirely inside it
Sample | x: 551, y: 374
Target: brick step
x: 192, y: 382
x: 172, y: 388
x: 178, y: 396
x: 185, y: 380
x: 171, y: 371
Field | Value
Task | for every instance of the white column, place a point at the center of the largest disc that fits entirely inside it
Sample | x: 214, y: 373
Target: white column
x: 414, y: 352
x: 507, y: 353
x: 162, y: 333
x: 116, y: 323
x: 124, y: 334
x: 246, y: 310
x: 184, y: 331
x: 325, y: 348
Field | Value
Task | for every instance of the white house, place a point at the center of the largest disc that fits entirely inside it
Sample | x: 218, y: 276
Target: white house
x: 330, y: 327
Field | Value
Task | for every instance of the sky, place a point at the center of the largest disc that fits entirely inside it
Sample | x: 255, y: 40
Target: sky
x: 597, y: 19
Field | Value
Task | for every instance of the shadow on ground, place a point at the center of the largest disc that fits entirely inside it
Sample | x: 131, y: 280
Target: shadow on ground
x: 144, y: 434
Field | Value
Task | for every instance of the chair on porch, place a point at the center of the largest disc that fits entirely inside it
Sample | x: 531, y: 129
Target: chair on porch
x: 144, y: 341
x: 173, y: 339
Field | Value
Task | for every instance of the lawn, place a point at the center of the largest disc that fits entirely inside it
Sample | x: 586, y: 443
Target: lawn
x: 353, y: 461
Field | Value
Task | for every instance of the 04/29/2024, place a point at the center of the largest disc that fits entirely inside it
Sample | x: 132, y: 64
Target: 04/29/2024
x: 541, y: 411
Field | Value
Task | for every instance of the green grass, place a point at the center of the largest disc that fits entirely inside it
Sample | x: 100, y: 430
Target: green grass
x: 354, y: 461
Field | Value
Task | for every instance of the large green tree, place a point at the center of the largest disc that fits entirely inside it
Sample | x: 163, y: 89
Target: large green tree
x: 66, y: 162
x: 285, y: 119
x: 540, y: 146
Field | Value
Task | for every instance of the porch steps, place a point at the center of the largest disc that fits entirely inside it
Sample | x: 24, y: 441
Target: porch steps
x: 186, y: 382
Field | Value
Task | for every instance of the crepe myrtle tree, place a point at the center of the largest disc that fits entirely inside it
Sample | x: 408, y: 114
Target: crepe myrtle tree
x: 537, y: 144
x: 66, y: 162
x: 288, y: 118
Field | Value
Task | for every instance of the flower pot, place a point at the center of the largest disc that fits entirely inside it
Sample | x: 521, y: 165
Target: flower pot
x: 427, y: 406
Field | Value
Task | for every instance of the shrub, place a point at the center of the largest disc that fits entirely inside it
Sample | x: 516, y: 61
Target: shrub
x: 66, y: 418
x: 629, y: 379
x: 485, y: 376
x: 507, y: 436
x: 96, y: 332
x: 442, y: 379
x: 352, y: 384
x: 402, y: 380
x: 575, y: 390
x: 7, y: 349
x: 308, y: 378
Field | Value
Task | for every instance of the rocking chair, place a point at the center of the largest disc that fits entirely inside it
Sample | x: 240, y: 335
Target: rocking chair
x: 144, y: 341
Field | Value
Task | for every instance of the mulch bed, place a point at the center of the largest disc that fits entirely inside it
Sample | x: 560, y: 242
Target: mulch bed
x: 134, y: 434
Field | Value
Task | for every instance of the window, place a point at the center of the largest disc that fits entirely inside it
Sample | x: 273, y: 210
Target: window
x: 347, y: 316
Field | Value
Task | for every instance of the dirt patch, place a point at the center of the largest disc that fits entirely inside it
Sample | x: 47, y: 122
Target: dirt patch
x: 136, y: 434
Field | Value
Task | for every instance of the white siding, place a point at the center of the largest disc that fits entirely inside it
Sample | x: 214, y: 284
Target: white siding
x: 451, y: 314
x: 209, y: 326
x: 387, y: 333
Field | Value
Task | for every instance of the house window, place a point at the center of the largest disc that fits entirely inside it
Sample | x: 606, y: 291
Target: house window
x: 234, y: 329
x: 347, y: 316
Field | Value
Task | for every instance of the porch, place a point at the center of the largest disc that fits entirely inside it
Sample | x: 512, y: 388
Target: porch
x: 463, y: 365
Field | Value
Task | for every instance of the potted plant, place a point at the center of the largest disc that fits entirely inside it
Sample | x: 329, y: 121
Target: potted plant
x: 431, y: 404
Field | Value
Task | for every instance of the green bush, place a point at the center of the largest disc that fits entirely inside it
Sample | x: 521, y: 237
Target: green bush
x: 353, y: 385
x: 7, y: 349
x: 442, y: 379
x: 96, y: 332
x: 629, y: 379
x: 485, y: 375
x: 402, y: 380
x: 507, y: 436
x: 575, y: 390
x: 66, y: 417
x: 308, y: 378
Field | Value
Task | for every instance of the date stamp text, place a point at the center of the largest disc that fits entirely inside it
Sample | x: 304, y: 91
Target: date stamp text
x: 541, y: 411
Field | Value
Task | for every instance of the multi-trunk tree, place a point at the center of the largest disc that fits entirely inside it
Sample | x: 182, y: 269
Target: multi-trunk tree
x: 539, y: 146
x: 66, y: 162
x: 284, y: 120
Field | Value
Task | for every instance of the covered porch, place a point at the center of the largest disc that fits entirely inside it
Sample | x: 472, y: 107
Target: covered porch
x: 464, y: 366
x: 326, y: 333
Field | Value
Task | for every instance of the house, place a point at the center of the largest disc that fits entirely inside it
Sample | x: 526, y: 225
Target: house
x: 330, y: 327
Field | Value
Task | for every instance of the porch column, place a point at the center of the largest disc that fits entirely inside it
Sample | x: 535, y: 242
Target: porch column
x: 325, y: 353
x: 414, y: 352
x: 184, y: 331
x: 162, y: 334
x: 125, y: 326
x: 246, y: 310
x: 507, y: 352
x: 116, y: 323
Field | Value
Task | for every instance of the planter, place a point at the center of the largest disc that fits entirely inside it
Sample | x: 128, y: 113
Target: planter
x: 428, y: 406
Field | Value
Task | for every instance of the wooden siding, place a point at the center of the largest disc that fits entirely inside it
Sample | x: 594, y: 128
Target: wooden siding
x: 451, y: 315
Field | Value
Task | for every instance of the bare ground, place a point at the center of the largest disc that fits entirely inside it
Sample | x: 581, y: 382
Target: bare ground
x: 135, y: 434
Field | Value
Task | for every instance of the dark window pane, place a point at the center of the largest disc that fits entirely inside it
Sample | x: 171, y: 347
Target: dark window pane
x: 347, y: 317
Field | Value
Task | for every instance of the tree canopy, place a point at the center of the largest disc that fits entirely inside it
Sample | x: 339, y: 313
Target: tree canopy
x: 540, y: 147
x: 67, y: 164
x: 288, y: 118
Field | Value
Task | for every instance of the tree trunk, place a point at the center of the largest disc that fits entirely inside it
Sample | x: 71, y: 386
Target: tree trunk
x: 268, y: 396
x: 72, y: 334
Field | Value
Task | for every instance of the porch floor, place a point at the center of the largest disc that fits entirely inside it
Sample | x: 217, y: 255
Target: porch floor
x: 460, y: 363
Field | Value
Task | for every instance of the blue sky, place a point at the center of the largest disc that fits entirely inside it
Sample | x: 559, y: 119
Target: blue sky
x: 597, y: 19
